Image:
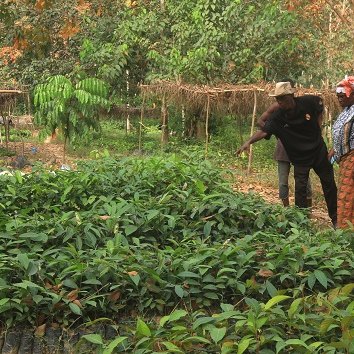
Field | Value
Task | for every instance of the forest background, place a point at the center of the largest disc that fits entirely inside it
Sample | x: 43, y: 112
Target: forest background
x: 200, y: 42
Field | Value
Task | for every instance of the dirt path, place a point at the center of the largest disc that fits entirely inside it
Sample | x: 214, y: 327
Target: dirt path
x: 50, y: 154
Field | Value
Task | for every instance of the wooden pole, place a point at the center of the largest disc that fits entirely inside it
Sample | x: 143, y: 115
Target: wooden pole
x: 127, y: 121
x: 141, y: 122
x: 162, y: 4
x: 250, y: 157
x: 183, y: 115
x: 207, y: 126
x: 164, y: 121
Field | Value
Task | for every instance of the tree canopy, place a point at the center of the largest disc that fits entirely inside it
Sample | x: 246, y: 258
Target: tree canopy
x: 200, y: 42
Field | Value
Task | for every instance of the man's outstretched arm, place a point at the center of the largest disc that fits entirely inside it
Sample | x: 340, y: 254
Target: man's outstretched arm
x: 259, y: 135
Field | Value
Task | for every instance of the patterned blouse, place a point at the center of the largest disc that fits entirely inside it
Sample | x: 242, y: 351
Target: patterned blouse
x: 343, y: 133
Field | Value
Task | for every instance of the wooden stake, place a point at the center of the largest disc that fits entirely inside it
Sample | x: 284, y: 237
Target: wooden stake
x: 127, y: 121
x: 164, y: 121
x: 250, y: 157
x: 207, y: 126
x: 141, y: 122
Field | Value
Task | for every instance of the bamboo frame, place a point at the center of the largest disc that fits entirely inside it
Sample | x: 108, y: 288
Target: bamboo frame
x: 8, y: 101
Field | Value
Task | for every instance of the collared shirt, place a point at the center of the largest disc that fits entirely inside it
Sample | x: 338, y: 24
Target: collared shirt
x: 343, y: 133
x: 299, y: 129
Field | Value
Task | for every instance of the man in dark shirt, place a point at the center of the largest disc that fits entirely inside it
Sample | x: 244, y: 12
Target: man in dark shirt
x: 297, y: 126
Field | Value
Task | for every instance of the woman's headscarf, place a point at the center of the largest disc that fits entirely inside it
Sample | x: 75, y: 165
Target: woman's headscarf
x: 346, y: 86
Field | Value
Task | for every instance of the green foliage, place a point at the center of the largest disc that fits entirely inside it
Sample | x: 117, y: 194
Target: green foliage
x: 166, y: 236
x: 293, y: 326
x: 71, y: 107
x: 204, y: 41
x: 152, y: 233
x: 226, y: 41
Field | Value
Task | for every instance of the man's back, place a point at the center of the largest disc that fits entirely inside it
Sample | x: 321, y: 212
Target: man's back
x: 298, y: 129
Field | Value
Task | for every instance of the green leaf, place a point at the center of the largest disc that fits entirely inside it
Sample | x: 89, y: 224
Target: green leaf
x: 296, y: 342
x: 37, y: 298
x: 75, y: 309
x: 163, y: 320
x: 202, y: 320
x: 226, y: 270
x: 347, y: 289
x: 179, y: 291
x: 196, y: 339
x: 93, y: 338
x: 4, y: 301
x: 114, y: 344
x: 217, y: 334
x: 212, y: 296
x: 40, y: 237
x: 129, y: 229
x: 152, y: 214
x: 227, y: 307
x: 135, y: 279
x: 273, y: 301
x: 92, y: 281
x: 243, y: 345
x: 25, y: 284
x: 187, y: 274
x: 321, y: 277
x: 207, y: 228
x: 315, y: 345
x: 325, y: 324
x: 32, y: 268
x: 23, y: 259
x: 172, y: 348
x: 294, y: 306
x: 177, y: 314
x: 272, y: 291
x: 142, y: 329
x: 200, y: 186
x: 311, y: 280
x: 70, y: 283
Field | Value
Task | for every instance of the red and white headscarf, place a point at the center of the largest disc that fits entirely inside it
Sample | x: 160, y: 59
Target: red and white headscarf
x: 346, y: 86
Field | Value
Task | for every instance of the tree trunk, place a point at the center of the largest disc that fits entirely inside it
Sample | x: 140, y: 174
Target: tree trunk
x: 200, y: 129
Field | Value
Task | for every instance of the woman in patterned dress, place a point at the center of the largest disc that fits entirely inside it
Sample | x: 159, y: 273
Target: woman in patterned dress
x: 343, y: 152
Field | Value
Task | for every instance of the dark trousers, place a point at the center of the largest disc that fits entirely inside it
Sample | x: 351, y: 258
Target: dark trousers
x: 324, y: 171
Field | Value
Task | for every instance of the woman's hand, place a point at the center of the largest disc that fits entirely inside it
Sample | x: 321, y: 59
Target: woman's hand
x: 330, y: 154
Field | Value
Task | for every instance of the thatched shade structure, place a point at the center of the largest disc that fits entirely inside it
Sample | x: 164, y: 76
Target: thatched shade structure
x: 237, y: 100
x: 9, y: 93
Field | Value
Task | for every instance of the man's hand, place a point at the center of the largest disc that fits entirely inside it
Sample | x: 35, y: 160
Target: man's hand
x: 244, y: 147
